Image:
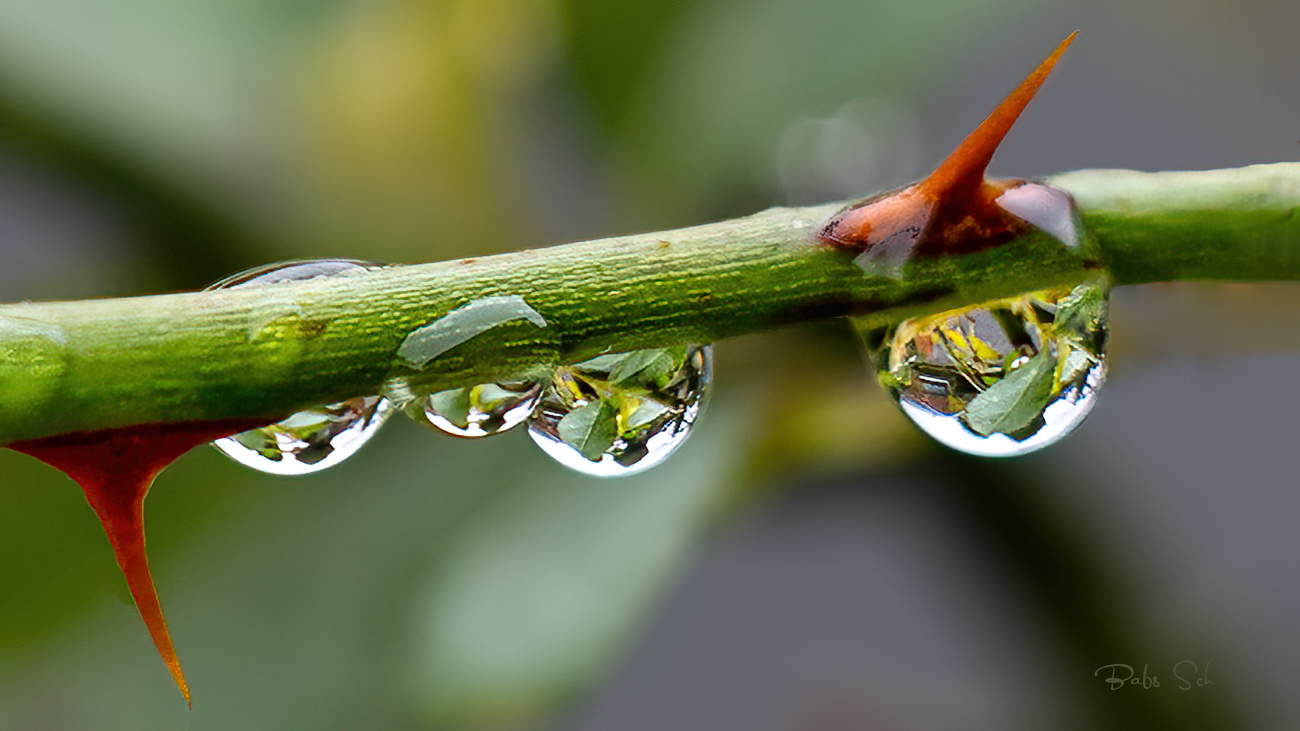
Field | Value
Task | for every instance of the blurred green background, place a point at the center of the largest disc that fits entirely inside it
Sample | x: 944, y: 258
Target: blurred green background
x: 806, y: 561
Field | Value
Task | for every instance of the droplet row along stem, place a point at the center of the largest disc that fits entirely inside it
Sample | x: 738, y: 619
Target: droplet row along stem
x: 621, y: 421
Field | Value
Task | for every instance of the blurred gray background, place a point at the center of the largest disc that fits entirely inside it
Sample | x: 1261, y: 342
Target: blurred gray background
x: 807, y: 561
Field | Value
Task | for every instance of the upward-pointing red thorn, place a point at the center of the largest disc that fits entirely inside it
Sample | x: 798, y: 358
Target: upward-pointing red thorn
x: 965, y: 166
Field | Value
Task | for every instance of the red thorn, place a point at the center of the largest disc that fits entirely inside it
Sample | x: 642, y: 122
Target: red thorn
x: 965, y: 166
x: 115, y: 468
x: 952, y: 210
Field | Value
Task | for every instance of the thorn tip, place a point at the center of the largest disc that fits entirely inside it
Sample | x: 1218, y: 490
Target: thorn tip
x: 966, y: 165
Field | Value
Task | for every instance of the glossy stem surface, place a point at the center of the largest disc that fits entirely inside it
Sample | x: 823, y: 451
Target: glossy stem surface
x: 265, y: 352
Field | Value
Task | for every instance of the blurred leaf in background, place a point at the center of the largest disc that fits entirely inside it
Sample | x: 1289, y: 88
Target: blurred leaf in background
x: 430, y: 582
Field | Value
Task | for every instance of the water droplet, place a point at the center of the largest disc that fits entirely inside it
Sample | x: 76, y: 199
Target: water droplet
x: 1003, y: 378
x: 1049, y: 209
x: 505, y: 326
x: 310, y: 440
x: 299, y: 270
x: 317, y: 438
x: 623, y: 413
x: 33, y: 356
x: 463, y: 324
x: 288, y: 324
x: 478, y: 411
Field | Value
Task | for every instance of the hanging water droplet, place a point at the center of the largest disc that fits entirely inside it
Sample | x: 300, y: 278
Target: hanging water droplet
x: 478, y: 411
x: 310, y: 440
x: 623, y: 413
x: 317, y: 438
x: 504, y: 325
x: 1001, y: 379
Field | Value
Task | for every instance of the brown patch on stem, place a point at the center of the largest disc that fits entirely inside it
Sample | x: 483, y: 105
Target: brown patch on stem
x: 953, y: 211
x: 115, y: 468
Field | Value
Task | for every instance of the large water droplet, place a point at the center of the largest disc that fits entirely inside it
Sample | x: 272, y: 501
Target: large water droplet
x: 313, y: 439
x: 623, y: 413
x: 310, y: 440
x: 478, y: 411
x: 1003, y: 378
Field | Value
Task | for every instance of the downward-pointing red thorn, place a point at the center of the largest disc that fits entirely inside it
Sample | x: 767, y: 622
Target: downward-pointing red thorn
x: 115, y: 468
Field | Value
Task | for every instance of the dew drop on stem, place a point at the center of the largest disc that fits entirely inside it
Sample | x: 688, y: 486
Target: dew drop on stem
x: 310, y: 440
x: 485, y: 316
x: 623, y: 413
x: 319, y: 437
x: 33, y: 356
x: 1050, y: 210
x: 1003, y: 378
x: 300, y: 270
x: 478, y: 411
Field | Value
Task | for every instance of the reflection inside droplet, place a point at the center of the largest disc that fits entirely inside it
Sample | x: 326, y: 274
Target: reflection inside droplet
x: 479, y: 411
x: 1001, y: 379
x: 623, y: 413
x: 310, y: 440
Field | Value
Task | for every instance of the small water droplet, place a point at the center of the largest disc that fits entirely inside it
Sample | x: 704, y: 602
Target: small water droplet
x: 311, y: 440
x: 1049, y: 209
x: 461, y: 325
x: 1003, y: 378
x: 299, y: 270
x: 896, y: 227
x: 478, y: 411
x: 289, y: 323
x: 33, y: 356
x: 623, y: 413
x: 317, y: 438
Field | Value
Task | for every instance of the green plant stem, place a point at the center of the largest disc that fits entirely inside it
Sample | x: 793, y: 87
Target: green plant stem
x: 265, y: 352
x: 1241, y: 224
